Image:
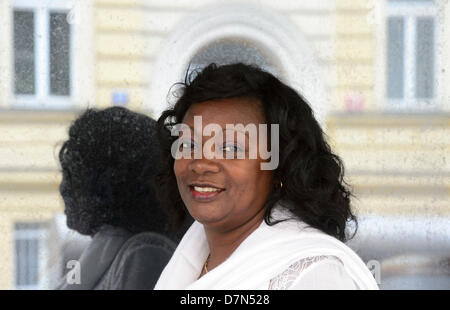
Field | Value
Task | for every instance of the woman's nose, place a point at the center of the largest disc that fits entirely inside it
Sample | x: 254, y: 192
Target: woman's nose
x: 203, y: 165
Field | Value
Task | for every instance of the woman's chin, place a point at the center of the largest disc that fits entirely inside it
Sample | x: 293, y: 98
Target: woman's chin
x: 207, y: 214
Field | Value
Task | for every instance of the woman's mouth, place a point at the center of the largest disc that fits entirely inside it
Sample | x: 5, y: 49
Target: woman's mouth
x: 204, y: 192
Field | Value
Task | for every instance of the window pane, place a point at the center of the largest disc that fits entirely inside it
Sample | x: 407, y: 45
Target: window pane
x: 395, y: 58
x: 28, y: 238
x: 24, y: 77
x: 20, y: 254
x: 59, y: 54
x: 27, y: 262
x: 33, y: 261
x: 425, y: 58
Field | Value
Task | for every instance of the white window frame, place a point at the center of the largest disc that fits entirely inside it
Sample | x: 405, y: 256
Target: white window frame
x: 42, y: 99
x: 41, y: 234
x: 410, y: 12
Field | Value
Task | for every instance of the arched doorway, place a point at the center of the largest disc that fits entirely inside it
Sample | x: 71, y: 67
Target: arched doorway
x: 231, y: 33
x: 232, y: 50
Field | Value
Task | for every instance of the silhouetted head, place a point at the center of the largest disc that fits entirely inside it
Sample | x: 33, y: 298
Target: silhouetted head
x: 108, y: 166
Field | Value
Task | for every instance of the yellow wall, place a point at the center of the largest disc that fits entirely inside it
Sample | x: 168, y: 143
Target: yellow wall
x: 397, y: 163
x: 124, y: 49
x: 397, y: 166
x: 5, y: 55
x: 354, y: 53
x: 29, y: 175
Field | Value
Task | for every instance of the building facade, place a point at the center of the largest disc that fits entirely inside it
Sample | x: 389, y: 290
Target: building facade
x: 376, y: 74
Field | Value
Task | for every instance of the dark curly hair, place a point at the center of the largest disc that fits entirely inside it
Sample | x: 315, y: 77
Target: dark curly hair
x: 312, y: 176
x: 109, y: 164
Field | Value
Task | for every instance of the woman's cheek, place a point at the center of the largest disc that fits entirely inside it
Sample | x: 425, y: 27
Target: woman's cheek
x: 178, y: 167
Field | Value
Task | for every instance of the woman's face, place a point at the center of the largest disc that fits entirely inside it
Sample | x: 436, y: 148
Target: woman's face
x: 224, y: 193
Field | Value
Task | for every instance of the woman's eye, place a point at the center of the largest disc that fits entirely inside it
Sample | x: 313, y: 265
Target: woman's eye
x: 231, y: 148
x: 186, y: 145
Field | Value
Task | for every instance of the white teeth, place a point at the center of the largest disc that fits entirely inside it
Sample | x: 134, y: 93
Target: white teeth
x: 205, y: 189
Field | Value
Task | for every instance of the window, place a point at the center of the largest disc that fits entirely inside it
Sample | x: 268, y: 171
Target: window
x: 30, y: 255
x: 42, y: 41
x: 411, y: 33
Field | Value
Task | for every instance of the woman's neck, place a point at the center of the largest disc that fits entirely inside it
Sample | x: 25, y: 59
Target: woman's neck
x: 223, y: 243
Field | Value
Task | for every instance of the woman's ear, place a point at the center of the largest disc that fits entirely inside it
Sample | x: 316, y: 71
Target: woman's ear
x: 277, y: 183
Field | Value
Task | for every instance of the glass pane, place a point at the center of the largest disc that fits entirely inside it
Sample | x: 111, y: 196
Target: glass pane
x: 395, y: 58
x: 27, y: 270
x: 26, y: 262
x: 24, y: 77
x: 425, y: 58
x: 33, y: 260
x: 19, y: 263
x: 27, y: 247
x: 59, y: 54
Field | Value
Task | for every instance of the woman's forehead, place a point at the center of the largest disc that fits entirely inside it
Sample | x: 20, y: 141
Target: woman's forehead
x: 226, y: 111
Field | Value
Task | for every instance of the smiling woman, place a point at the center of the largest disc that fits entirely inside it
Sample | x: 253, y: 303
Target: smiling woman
x: 224, y: 193
x: 255, y: 229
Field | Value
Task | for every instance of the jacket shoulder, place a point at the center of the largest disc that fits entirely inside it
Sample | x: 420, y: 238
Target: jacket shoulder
x: 149, y: 239
x: 140, y: 261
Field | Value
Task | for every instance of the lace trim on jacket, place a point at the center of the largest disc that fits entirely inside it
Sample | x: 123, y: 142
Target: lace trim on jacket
x: 285, y: 280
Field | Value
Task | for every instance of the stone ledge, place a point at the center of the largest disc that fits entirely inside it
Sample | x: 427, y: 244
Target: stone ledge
x: 34, y: 116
